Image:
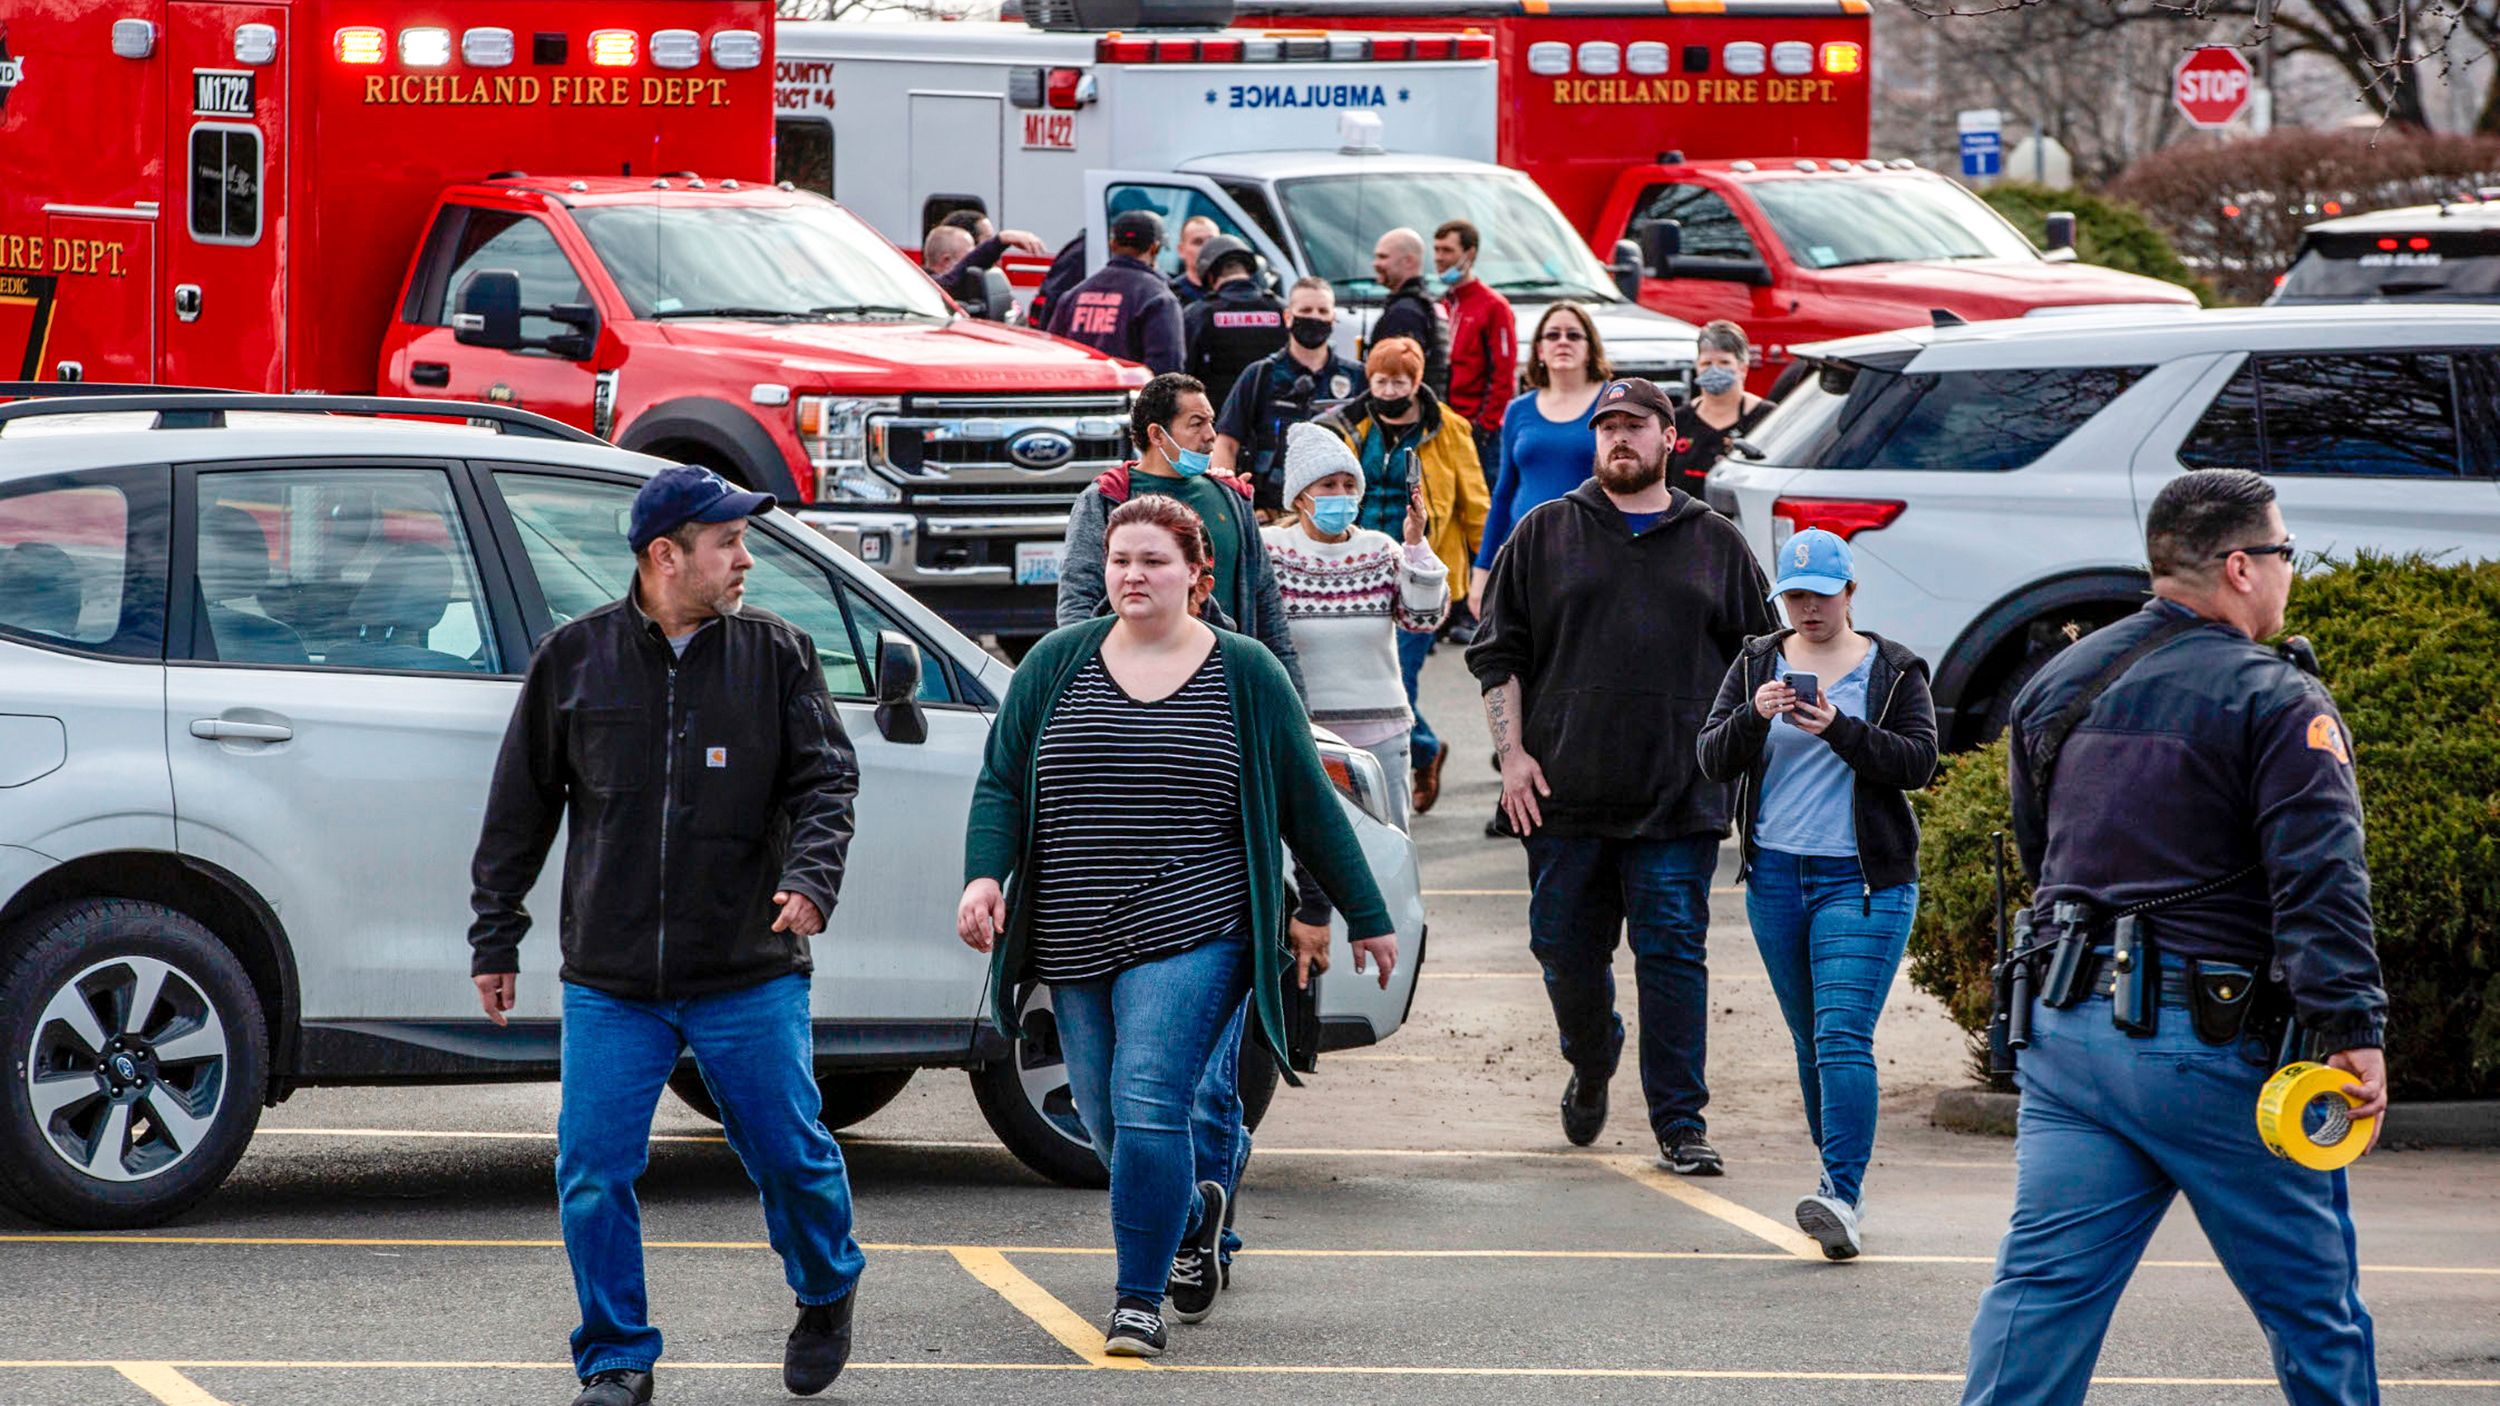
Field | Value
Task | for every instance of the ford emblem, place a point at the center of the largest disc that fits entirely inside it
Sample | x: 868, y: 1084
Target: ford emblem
x: 1041, y: 449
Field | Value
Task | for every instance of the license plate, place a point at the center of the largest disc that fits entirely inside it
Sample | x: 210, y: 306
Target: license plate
x: 1037, y: 563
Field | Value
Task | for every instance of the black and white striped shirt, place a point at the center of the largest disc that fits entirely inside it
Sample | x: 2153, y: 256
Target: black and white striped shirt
x: 1137, y: 846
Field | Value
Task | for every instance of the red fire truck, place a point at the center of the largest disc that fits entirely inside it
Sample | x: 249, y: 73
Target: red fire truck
x: 562, y: 206
x: 1715, y: 151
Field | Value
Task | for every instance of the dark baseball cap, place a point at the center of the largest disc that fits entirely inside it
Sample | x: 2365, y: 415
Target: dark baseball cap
x: 676, y: 496
x: 1143, y: 228
x: 1633, y: 395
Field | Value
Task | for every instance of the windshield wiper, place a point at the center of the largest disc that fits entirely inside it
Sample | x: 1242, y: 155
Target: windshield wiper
x: 1528, y: 285
x: 866, y: 310
x: 734, y: 312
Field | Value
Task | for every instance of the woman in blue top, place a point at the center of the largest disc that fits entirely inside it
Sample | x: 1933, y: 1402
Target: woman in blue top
x: 1831, y: 847
x: 1547, y: 445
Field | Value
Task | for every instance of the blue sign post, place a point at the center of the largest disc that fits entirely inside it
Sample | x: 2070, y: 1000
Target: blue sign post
x: 1983, y: 145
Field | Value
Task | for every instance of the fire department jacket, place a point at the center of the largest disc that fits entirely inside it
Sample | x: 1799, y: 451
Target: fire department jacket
x: 1125, y: 309
x: 694, y: 789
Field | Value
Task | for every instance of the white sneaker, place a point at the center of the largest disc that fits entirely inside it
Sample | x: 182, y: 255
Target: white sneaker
x: 1832, y: 1222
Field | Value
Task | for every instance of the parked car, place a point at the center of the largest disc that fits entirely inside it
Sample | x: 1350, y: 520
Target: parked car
x: 1993, y: 477
x: 256, y: 659
x: 2445, y: 253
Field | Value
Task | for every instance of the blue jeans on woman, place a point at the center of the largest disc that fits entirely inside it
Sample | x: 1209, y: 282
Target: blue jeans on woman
x: 1137, y: 1042
x: 757, y: 1053
x: 1219, y: 1135
x: 1832, y: 949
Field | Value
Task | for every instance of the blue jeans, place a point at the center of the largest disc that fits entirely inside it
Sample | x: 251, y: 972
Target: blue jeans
x: 1219, y: 1138
x: 1581, y: 892
x: 2111, y: 1129
x: 1413, y: 647
x: 757, y: 1054
x: 1832, y: 950
x: 1137, y: 1044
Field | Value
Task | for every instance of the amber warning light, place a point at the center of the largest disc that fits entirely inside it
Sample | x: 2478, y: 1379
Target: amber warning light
x: 362, y: 44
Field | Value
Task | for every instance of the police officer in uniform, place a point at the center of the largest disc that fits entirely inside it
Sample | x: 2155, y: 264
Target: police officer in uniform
x: 1236, y: 323
x: 1301, y: 381
x: 2183, y: 797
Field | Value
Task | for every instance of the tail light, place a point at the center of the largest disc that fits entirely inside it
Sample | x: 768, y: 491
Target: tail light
x: 1845, y: 517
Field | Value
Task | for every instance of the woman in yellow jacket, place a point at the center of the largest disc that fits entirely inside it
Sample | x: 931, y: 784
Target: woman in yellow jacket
x: 1400, y: 431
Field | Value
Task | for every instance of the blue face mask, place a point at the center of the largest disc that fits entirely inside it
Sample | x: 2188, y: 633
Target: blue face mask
x: 1190, y: 462
x: 1451, y: 275
x: 1332, y: 514
x: 1716, y: 380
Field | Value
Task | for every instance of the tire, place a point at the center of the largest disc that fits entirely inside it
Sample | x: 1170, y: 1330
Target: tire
x: 850, y: 1096
x: 186, y: 1073
x: 1026, y: 1101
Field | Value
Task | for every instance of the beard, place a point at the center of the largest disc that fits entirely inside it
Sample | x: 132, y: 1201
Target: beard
x: 1627, y: 473
x: 726, y: 599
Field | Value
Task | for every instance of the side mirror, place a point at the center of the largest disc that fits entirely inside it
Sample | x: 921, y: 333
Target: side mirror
x: 2061, y: 229
x: 578, y: 344
x: 1661, y: 242
x: 489, y: 311
x: 998, y: 296
x: 1626, y: 268
x: 899, y: 715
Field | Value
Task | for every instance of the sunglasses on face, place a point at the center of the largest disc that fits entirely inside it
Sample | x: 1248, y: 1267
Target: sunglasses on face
x: 1561, y: 334
x: 2265, y: 549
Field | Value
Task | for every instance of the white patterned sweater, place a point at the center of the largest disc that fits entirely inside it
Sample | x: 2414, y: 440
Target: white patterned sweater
x: 1345, y: 602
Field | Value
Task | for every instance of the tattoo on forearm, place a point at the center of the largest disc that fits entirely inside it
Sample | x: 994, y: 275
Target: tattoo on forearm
x: 1497, y: 717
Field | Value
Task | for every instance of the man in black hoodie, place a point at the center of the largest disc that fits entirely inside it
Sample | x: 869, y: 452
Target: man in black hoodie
x: 1611, y: 616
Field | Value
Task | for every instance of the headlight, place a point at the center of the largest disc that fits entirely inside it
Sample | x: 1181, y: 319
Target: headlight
x: 837, y: 431
x: 1356, y: 773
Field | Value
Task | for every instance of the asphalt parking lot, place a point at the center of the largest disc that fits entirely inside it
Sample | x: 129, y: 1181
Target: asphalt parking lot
x: 1419, y: 1232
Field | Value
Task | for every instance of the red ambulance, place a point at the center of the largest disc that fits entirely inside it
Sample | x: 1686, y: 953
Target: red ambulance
x: 563, y: 206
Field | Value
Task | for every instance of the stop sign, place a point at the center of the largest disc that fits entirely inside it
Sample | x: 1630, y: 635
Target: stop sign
x: 2211, y: 86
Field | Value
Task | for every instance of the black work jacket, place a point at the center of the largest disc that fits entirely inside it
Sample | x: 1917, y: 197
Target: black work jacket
x: 1891, y: 751
x: 693, y: 789
x: 2213, y: 755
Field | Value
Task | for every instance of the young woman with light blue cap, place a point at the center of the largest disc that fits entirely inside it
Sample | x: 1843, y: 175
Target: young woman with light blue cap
x: 1829, y: 729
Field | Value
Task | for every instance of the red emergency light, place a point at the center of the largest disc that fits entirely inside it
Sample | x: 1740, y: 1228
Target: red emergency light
x: 2418, y: 242
x: 2387, y: 245
x: 1060, y: 88
x: 1473, y: 45
x: 1119, y: 48
x: 1299, y: 47
x: 2334, y: 207
x: 1846, y: 517
x: 1220, y: 50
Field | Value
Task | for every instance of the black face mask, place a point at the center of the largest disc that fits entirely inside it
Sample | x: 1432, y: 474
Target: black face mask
x: 1312, y: 333
x: 1392, y: 409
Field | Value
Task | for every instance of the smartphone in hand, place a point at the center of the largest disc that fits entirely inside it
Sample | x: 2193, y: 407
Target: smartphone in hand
x: 1808, y: 688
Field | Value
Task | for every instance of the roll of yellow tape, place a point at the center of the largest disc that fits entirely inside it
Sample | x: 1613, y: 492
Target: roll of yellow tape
x: 2282, y: 1117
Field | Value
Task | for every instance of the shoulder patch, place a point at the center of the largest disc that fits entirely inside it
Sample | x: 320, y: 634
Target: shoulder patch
x: 2326, y: 735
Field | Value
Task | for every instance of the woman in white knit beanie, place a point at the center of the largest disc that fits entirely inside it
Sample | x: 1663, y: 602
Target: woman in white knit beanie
x: 1348, y: 591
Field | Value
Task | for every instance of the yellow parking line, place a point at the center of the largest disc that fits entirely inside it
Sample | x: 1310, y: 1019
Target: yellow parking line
x: 166, y: 1384
x: 1754, y: 1223
x: 1038, y: 1304
x: 1762, y: 1374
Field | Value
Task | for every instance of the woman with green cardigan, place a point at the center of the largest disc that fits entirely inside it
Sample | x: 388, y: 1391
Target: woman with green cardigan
x: 1141, y: 773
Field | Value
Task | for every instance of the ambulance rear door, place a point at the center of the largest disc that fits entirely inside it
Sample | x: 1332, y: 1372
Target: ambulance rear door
x: 224, y: 318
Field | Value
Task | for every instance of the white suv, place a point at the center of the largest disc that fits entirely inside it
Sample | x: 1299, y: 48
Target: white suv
x: 1993, y: 477
x: 256, y: 659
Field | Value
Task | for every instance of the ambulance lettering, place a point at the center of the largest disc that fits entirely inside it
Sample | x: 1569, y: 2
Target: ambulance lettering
x: 1261, y: 95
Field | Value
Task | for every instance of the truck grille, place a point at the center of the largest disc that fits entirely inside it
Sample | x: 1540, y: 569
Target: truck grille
x: 999, y: 451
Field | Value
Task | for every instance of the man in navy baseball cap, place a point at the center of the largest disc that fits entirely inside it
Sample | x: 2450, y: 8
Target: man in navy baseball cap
x: 684, y: 494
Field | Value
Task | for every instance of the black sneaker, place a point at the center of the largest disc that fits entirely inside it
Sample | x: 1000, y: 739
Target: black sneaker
x: 616, y: 1387
x: 1195, y: 1273
x: 1584, y: 1108
x: 1136, y: 1330
x: 1686, y: 1152
x: 819, y: 1346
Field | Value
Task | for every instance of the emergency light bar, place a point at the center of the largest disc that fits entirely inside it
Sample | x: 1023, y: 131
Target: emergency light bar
x: 1293, y: 48
x: 430, y: 46
x: 1551, y: 58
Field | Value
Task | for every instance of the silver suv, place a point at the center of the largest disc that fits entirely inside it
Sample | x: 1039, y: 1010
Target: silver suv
x: 256, y: 658
x: 1992, y: 478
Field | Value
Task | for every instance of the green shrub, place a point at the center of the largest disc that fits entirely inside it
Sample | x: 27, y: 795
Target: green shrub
x: 2108, y: 233
x: 2411, y: 650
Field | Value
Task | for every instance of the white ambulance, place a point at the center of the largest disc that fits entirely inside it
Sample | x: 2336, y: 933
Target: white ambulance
x: 1306, y: 146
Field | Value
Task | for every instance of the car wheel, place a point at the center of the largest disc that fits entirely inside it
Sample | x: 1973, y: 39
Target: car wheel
x: 1026, y: 1100
x: 850, y: 1096
x: 137, y: 1063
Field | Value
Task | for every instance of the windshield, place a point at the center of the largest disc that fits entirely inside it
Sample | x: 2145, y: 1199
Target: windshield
x: 808, y: 260
x: 1884, y: 220
x: 1529, y: 250
x: 2443, y: 267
